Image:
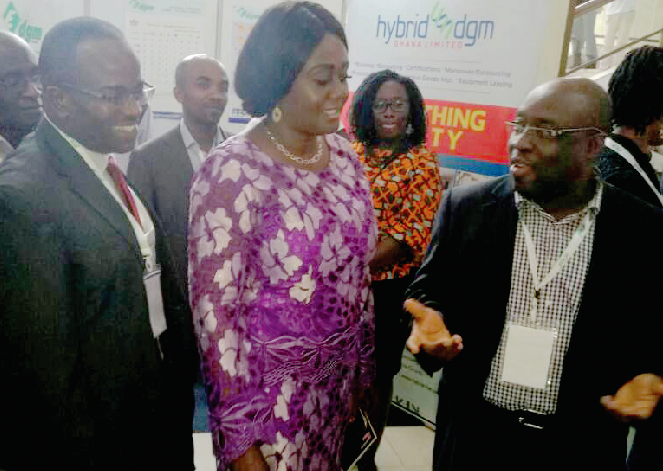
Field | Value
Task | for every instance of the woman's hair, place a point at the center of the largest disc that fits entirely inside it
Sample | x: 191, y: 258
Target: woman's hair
x: 635, y: 88
x: 363, y: 118
x: 275, y: 52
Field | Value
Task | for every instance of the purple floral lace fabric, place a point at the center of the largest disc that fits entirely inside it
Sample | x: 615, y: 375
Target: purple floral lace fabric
x: 279, y: 286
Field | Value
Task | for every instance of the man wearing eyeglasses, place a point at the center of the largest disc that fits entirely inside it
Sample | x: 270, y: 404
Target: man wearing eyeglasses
x: 20, y: 110
x: 97, y: 354
x: 534, y: 299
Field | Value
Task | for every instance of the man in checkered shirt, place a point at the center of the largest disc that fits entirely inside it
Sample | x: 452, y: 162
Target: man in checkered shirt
x: 541, y: 279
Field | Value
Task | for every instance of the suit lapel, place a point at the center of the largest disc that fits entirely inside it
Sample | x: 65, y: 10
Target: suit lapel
x: 501, y: 216
x: 179, y: 151
x: 84, y: 183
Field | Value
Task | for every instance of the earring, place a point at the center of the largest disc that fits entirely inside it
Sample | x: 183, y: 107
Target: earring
x: 276, y: 114
x: 409, y: 129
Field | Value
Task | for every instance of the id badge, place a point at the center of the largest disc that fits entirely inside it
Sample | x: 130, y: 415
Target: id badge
x: 527, y: 356
x: 152, y: 282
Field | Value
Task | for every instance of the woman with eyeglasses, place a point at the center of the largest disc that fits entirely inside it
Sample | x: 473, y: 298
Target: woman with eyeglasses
x: 389, y: 122
x: 281, y: 234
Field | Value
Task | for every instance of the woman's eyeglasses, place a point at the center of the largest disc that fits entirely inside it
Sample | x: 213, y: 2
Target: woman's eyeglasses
x: 396, y: 105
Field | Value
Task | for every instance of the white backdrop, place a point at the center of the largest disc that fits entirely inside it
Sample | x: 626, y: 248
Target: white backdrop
x: 162, y: 32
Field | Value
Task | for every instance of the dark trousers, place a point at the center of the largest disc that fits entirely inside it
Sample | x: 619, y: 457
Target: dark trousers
x: 488, y: 437
x: 392, y: 328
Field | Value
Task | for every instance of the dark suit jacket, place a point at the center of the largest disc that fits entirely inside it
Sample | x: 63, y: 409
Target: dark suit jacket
x: 466, y: 275
x: 81, y: 372
x: 618, y: 172
x: 161, y: 171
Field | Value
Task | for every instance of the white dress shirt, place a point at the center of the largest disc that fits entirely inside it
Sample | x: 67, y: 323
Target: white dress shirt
x: 98, y: 163
x: 196, y: 154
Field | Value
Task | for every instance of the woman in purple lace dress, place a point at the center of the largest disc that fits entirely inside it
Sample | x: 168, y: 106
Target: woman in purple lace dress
x: 281, y: 234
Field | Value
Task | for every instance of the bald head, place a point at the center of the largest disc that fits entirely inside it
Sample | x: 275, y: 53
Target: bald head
x: 201, y: 86
x: 10, y: 41
x: 183, y: 69
x: 19, y: 105
x: 555, y: 143
x: 576, y: 102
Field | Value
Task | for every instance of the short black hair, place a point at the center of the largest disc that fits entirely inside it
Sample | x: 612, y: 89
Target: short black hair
x: 363, y: 118
x: 57, y: 59
x: 635, y: 89
x: 275, y: 52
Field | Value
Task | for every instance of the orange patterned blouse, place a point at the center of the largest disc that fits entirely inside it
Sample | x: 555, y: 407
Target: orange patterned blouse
x: 406, y: 195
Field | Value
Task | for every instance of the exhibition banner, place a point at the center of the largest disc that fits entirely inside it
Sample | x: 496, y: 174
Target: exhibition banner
x: 32, y: 19
x: 474, y: 62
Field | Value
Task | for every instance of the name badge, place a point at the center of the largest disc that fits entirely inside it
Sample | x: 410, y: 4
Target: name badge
x: 152, y: 282
x: 527, y: 356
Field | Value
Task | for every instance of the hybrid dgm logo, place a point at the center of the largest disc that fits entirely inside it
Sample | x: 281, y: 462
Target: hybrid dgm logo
x: 465, y: 32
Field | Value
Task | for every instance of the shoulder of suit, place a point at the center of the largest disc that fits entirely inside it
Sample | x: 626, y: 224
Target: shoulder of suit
x: 166, y: 139
x: 155, y: 148
x: 617, y: 199
x: 27, y: 173
x: 494, y: 187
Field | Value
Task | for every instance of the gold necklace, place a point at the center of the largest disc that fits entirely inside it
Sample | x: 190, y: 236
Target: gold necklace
x: 295, y: 158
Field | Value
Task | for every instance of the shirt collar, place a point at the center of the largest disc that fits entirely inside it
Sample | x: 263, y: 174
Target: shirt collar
x: 5, y: 148
x: 593, y: 205
x: 189, y: 141
x: 95, y: 160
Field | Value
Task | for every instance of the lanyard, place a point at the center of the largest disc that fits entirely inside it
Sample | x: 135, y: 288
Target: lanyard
x: 615, y: 146
x: 578, y: 236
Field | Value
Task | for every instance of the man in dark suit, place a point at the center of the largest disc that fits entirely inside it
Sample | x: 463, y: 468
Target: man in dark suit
x: 163, y: 168
x: 19, y: 96
x: 562, y: 319
x: 96, y: 373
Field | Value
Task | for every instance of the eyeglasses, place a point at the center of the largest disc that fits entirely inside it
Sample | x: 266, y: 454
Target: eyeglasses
x: 119, y: 96
x: 396, y: 105
x: 545, y: 133
x: 18, y: 81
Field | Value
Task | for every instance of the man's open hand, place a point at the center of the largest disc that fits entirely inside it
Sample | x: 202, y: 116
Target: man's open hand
x: 430, y: 334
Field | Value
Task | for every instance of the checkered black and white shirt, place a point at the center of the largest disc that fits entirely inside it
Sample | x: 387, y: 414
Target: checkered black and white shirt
x: 559, y: 300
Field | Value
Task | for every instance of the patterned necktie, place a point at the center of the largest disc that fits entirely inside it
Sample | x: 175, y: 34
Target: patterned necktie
x: 121, y: 184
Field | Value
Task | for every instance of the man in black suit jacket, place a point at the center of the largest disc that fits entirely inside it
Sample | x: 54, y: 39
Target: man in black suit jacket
x: 90, y: 379
x: 162, y: 169
x: 19, y: 96
x: 593, y: 316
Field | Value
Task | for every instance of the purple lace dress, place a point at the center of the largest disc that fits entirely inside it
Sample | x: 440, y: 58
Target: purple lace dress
x: 279, y: 285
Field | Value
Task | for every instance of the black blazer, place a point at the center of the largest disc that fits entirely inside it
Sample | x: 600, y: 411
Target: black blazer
x: 617, y: 171
x: 161, y: 171
x: 466, y: 275
x: 81, y: 371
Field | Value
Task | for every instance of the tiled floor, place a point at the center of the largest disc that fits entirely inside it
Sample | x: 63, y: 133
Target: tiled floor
x: 402, y: 449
